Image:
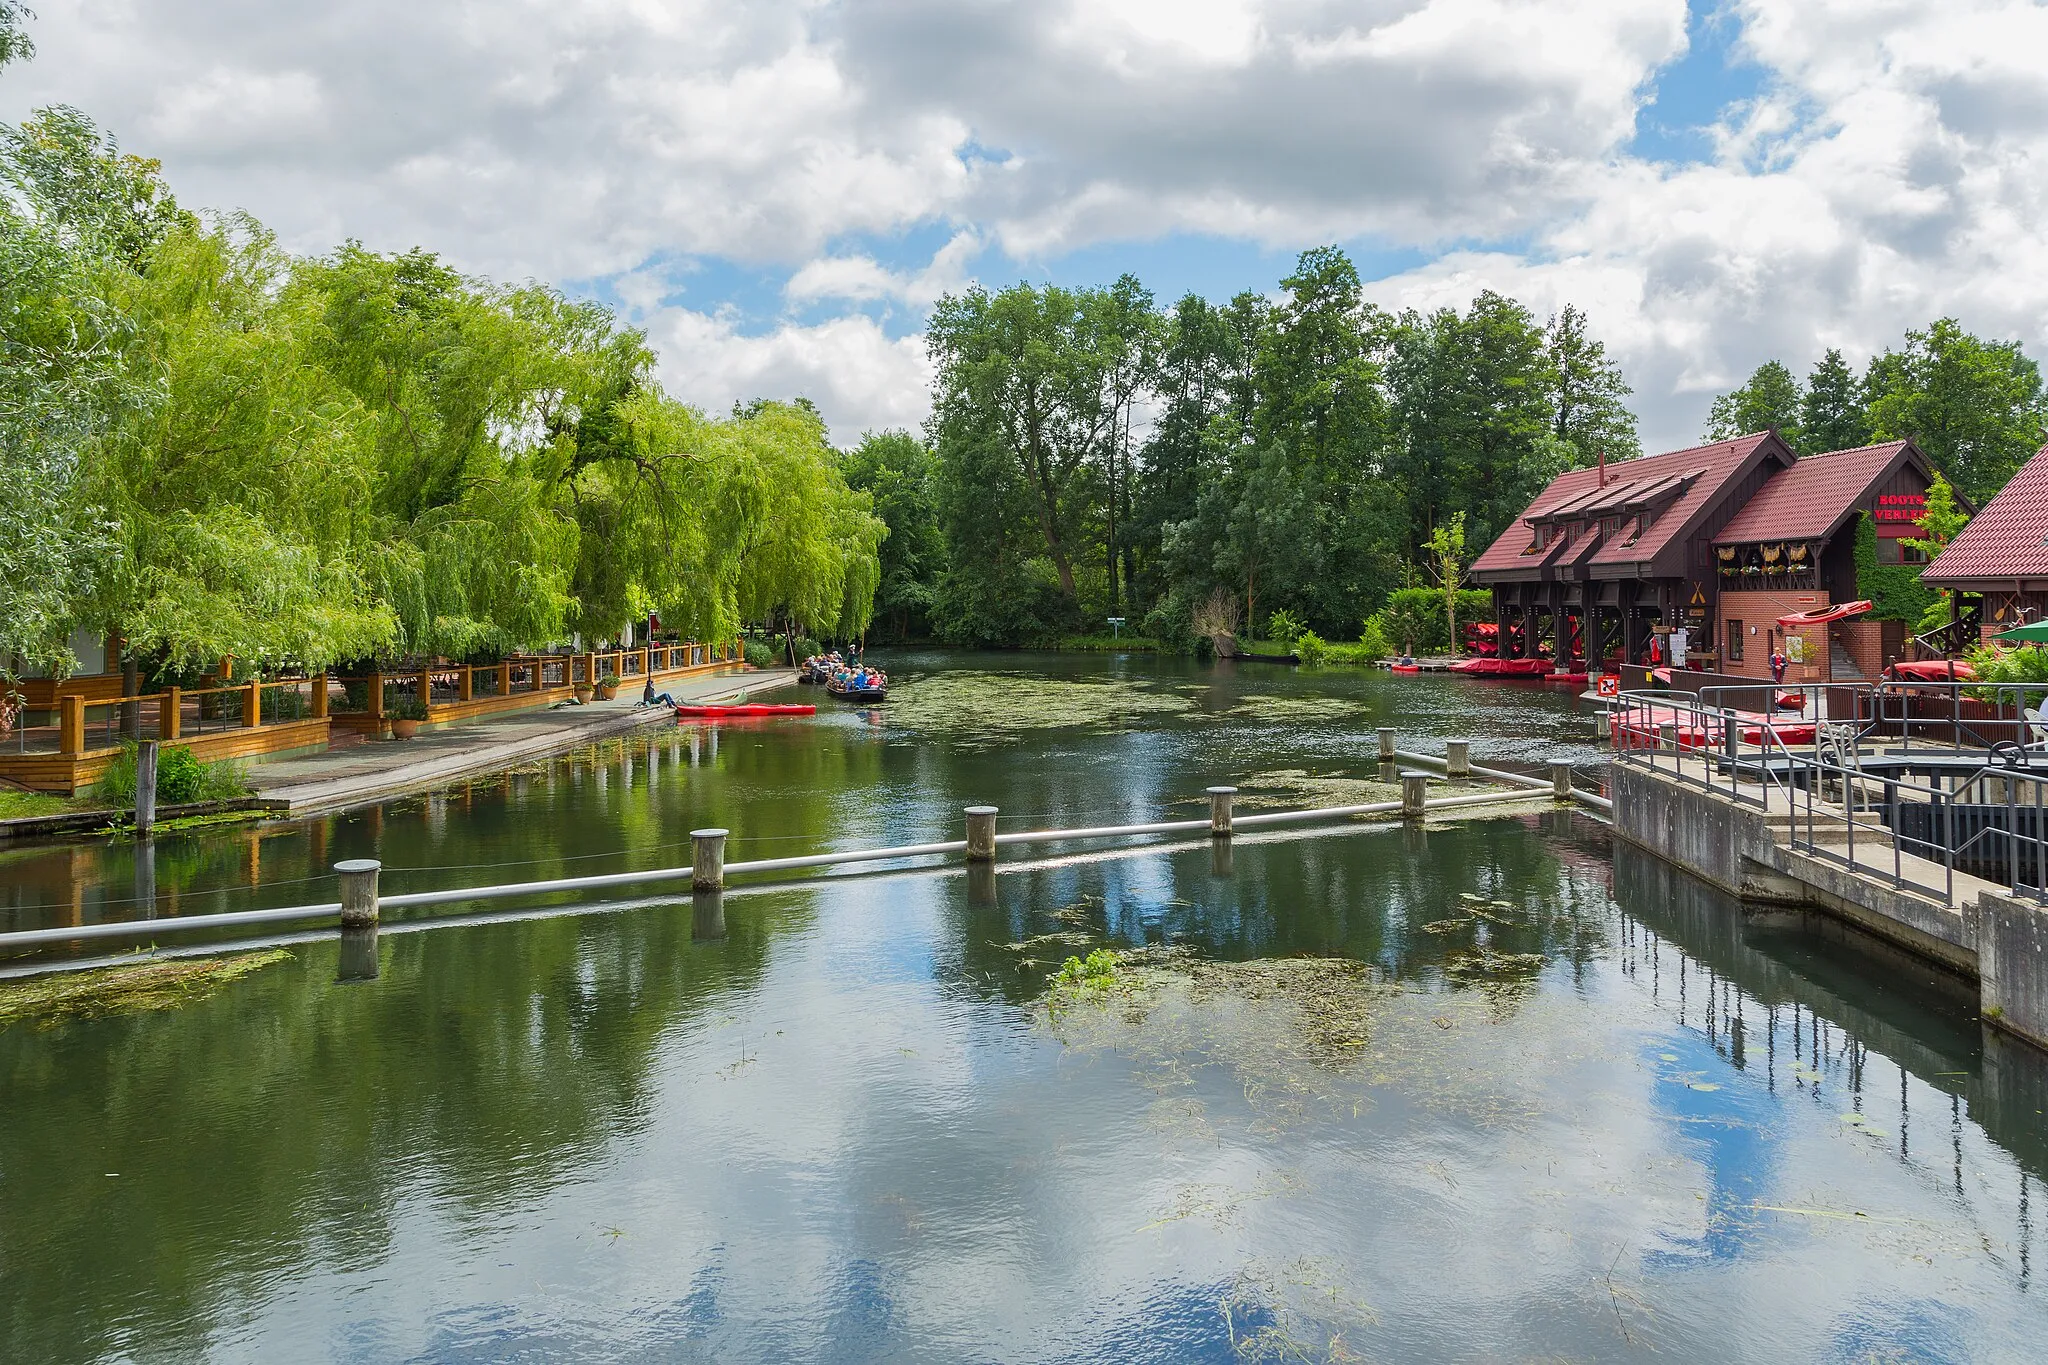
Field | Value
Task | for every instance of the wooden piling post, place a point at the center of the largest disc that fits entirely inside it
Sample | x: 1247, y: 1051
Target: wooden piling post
x: 145, y: 785
x: 71, y: 724
x: 1414, y: 794
x: 981, y: 834
x: 1458, y: 758
x: 1667, y: 736
x: 358, y: 892
x: 1561, y: 781
x: 1219, y: 811
x: 1386, y: 744
x: 707, y: 860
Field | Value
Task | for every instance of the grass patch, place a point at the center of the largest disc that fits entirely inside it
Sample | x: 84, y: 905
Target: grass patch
x: 157, y: 985
x: 15, y: 805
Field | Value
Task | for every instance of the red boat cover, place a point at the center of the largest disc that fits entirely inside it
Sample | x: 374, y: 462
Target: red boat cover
x: 1934, y: 670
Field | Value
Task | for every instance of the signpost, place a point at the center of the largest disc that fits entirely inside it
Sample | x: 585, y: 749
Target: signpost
x: 1116, y: 624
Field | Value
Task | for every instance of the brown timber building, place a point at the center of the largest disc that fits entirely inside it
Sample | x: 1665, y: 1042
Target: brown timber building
x: 1722, y: 539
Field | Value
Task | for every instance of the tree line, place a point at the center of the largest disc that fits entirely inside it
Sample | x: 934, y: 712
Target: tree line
x: 212, y: 447
x: 1093, y: 455
x: 1973, y: 407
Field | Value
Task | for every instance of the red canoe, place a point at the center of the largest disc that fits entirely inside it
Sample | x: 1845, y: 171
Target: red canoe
x: 1821, y: 616
x: 747, y: 708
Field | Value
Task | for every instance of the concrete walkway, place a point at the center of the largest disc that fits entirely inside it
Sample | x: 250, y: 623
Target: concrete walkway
x: 377, y: 769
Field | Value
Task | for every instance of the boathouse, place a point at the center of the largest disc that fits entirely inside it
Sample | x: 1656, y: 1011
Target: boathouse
x: 1792, y: 548
x: 1605, y: 556
x: 1722, y: 540
x: 2000, y: 558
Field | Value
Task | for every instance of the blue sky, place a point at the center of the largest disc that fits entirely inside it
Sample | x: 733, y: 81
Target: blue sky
x: 778, y: 190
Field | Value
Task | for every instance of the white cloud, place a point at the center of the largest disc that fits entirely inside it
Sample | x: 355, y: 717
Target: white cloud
x: 1888, y: 171
x: 860, y: 378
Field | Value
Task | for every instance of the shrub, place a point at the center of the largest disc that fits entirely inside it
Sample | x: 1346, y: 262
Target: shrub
x: 1172, y: 624
x: 407, y: 707
x: 1311, y: 648
x: 759, y: 655
x: 180, y: 778
x: 1997, y: 665
x: 805, y: 647
x: 1283, y: 628
x: 1372, y: 641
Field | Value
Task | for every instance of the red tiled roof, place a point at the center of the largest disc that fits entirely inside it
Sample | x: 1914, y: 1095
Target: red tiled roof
x: 2008, y: 539
x: 1711, y: 466
x: 1810, y: 499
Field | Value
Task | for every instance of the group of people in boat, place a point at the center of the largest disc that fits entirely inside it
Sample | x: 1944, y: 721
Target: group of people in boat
x: 844, y: 678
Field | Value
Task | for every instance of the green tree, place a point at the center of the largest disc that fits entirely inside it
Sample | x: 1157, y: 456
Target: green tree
x: 1447, y: 562
x: 1831, y: 413
x: 1589, y: 410
x: 1975, y: 407
x: 896, y: 469
x: 1768, y: 401
x: 1473, y: 395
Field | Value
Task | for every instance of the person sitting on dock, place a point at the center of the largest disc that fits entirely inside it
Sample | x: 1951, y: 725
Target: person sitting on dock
x: 648, y: 697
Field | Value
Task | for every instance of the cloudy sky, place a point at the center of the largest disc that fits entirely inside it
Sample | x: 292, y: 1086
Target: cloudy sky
x: 777, y: 189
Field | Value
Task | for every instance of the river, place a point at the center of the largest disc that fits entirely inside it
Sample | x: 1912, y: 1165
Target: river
x: 1486, y: 1090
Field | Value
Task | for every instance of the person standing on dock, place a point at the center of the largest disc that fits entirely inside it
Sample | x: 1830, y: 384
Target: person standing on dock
x: 1777, y: 666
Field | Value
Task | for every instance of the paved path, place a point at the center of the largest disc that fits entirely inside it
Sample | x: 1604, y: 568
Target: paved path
x: 377, y: 769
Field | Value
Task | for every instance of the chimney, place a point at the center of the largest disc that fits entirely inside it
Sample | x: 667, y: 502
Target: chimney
x: 1603, y: 466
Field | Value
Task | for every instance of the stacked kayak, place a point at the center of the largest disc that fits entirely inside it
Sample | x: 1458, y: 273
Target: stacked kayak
x: 743, y: 708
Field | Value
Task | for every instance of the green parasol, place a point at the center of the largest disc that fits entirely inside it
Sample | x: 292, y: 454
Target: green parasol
x: 2032, y: 633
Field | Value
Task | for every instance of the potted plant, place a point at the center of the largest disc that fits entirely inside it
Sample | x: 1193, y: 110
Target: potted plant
x: 607, y: 687
x: 405, y: 716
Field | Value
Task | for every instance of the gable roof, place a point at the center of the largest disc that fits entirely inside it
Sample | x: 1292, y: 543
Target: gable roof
x: 2008, y: 539
x: 1693, y: 479
x: 1817, y: 494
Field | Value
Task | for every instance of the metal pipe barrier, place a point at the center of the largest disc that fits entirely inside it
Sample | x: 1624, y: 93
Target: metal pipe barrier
x: 1839, y: 771
x: 131, y: 930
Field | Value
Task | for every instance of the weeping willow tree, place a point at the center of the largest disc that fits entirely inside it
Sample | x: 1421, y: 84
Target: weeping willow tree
x: 364, y: 456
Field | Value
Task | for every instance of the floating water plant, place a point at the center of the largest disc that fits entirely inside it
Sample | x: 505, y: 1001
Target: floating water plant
x: 155, y: 985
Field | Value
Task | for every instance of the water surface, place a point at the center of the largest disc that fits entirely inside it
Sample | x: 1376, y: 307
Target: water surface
x: 1568, y: 1104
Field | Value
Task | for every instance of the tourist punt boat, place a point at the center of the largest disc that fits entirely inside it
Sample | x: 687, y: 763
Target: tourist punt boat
x: 842, y: 692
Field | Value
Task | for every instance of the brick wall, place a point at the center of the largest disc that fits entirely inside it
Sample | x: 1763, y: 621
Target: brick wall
x: 1864, y: 640
x: 1762, y: 609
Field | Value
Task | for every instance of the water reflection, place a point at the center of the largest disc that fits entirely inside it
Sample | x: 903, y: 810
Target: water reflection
x: 1594, y: 1110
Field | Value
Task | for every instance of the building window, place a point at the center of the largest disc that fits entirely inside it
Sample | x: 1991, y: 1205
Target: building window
x: 1735, y: 641
x: 1911, y: 554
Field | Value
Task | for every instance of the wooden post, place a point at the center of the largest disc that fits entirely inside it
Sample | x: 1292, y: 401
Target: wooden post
x: 468, y: 684
x: 318, y: 696
x: 1561, y: 781
x: 981, y: 834
x: 707, y: 861
x: 1414, y: 795
x: 71, y: 723
x: 427, y: 689
x: 377, y: 694
x: 646, y: 662
x: 145, y: 785
x: 1386, y: 744
x: 504, y: 679
x: 252, y: 705
x: 1219, y: 811
x: 358, y: 892
x: 170, y: 713
x: 1458, y: 758
x: 590, y: 670
x: 1667, y: 735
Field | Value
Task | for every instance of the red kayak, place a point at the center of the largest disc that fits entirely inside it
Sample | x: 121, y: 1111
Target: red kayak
x: 746, y: 708
x: 1403, y: 668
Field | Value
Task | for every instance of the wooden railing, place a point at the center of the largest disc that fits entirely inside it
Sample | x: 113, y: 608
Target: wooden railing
x: 74, y: 726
